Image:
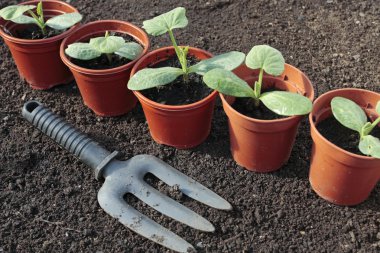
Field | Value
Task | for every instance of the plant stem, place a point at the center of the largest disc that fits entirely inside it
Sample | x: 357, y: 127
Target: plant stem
x: 39, y: 22
x: 180, y: 54
x: 257, y: 88
x: 109, y: 58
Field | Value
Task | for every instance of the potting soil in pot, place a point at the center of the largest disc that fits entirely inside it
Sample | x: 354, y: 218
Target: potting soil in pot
x: 342, y: 136
x: 178, y: 92
x: 33, y: 32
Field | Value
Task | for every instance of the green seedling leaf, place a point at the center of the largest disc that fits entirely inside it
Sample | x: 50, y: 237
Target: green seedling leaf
x: 82, y: 51
x: 227, y: 83
x: 14, y: 11
x: 227, y: 61
x: 23, y: 19
x: 378, y: 107
x: 39, y: 9
x: 149, y: 77
x: 370, y: 145
x: 108, y: 44
x: 286, y: 103
x: 130, y: 50
x: 64, y: 21
x: 348, y: 113
x: 267, y: 58
x: 161, y: 24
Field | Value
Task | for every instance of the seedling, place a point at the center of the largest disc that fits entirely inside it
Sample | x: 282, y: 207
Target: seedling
x: 352, y: 116
x: 270, y: 61
x: 152, y: 77
x: 15, y: 13
x: 107, y: 45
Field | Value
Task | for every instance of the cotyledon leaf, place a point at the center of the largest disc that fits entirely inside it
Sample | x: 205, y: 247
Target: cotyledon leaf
x: 370, y: 145
x: 267, y: 58
x: 152, y: 77
x: 227, y: 61
x: 108, y: 44
x: 378, y: 107
x: 14, y: 11
x: 64, y: 21
x: 161, y: 24
x: 348, y: 113
x: 286, y: 103
x: 82, y: 51
x: 23, y: 19
x: 227, y: 83
x: 130, y: 50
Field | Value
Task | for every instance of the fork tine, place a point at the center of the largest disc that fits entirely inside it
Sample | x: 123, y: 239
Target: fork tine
x: 113, y: 203
x: 170, y: 207
x: 187, y: 185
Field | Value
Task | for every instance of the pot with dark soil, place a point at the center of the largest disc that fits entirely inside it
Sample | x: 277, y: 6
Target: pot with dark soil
x: 101, y: 55
x: 345, y: 161
x: 177, y: 104
x: 33, y: 32
x: 263, y: 111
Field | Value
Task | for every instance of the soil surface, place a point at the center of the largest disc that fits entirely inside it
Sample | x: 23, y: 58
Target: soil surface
x: 342, y: 136
x: 103, y: 62
x: 179, y: 92
x: 33, y: 32
x: 48, y: 198
x: 247, y: 107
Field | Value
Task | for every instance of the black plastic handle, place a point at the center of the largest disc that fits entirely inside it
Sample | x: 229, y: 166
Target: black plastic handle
x: 67, y: 136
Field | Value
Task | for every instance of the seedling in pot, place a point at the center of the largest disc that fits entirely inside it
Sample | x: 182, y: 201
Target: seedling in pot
x: 352, y: 116
x: 109, y: 45
x: 16, y: 14
x: 153, y: 77
x: 270, y: 61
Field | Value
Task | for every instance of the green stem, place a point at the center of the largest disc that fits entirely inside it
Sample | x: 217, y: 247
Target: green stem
x: 180, y: 54
x: 257, y: 88
x: 40, y: 23
x: 109, y: 58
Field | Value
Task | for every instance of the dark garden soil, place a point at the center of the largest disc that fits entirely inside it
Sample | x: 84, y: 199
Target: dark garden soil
x: 33, y: 32
x: 103, y: 62
x: 247, y: 107
x: 342, y: 136
x: 179, y: 92
x: 48, y: 198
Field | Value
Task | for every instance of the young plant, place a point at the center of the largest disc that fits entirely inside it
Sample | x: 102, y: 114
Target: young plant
x: 15, y: 13
x: 152, y: 77
x: 107, y: 45
x: 270, y: 61
x: 352, y: 116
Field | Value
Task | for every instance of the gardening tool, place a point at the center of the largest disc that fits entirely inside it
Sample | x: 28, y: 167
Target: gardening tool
x: 123, y: 177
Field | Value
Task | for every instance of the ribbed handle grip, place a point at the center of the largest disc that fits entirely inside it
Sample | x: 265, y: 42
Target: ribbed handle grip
x: 67, y: 136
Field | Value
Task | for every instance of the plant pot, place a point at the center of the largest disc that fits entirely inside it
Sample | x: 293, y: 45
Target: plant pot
x: 339, y: 176
x: 38, y: 61
x: 182, y: 126
x: 265, y: 145
x: 105, y: 91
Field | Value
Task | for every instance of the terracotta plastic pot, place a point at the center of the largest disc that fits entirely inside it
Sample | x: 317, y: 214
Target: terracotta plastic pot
x: 183, y: 126
x: 38, y: 61
x: 105, y: 91
x: 337, y: 175
x: 265, y: 145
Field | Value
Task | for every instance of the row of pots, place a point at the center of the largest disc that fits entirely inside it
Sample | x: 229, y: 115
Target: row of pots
x: 258, y: 145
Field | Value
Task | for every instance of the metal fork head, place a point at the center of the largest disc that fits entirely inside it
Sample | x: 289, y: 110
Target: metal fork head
x: 128, y: 177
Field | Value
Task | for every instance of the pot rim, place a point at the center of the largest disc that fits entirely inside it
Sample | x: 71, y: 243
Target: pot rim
x: 172, y: 107
x: 262, y: 121
x: 82, y: 70
x: 327, y: 142
x: 40, y: 41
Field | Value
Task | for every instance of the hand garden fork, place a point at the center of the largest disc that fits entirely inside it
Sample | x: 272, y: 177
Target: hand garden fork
x: 123, y: 177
